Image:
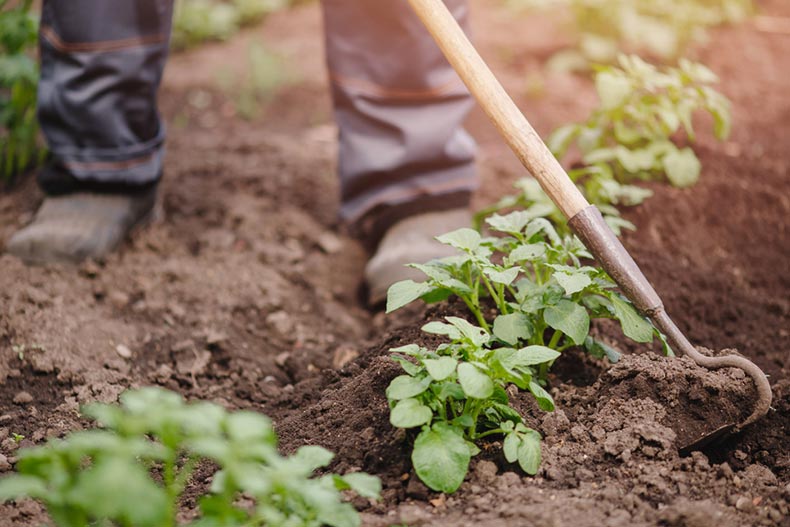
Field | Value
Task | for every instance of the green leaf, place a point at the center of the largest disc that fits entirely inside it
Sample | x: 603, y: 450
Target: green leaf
x: 464, y: 239
x: 634, y: 326
x: 22, y: 486
x: 440, y: 328
x: 476, y: 335
x: 506, y: 413
x: 570, y: 318
x: 475, y: 383
x: 528, y: 252
x: 510, y: 447
x: 626, y: 135
x: 363, y: 484
x: 408, y: 366
x: 636, y: 160
x: 512, y: 223
x: 559, y: 141
x: 682, y: 167
x: 533, y: 355
x: 573, y: 282
x: 249, y: 426
x: 504, y: 277
x: 600, y: 349
x: 441, y: 457
x: 332, y: 513
x: 529, y: 453
x: 406, y: 386
x: 512, y: 327
x: 312, y: 457
x: 440, y: 368
x: 408, y: 349
x: 404, y: 292
x: 409, y: 413
x: 543, y: 397
x: 613, y: 89
x: 451, y: 390
x: 114, y: 488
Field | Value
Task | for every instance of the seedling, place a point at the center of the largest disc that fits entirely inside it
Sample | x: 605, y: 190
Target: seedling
x: 544, y: 300
x: 17, y: 437
x: 629, y: 137
x: 102, y: 476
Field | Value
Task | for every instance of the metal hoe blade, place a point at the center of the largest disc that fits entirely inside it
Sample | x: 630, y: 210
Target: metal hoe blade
x: 592, y: 229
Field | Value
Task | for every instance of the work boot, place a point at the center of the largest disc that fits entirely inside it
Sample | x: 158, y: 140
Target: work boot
x: 411, y: 240
x: 73, y: 227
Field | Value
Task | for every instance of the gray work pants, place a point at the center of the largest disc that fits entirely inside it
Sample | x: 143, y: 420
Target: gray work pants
x: 398, y: 104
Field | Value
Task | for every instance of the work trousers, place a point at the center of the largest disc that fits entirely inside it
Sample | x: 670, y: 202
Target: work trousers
x: 398, y: 104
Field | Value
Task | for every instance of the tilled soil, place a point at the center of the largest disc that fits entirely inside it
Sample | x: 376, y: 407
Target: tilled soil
x: 247, y: 293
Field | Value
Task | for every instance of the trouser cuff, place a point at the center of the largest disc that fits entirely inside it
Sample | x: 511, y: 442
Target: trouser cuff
x: 55, y: 180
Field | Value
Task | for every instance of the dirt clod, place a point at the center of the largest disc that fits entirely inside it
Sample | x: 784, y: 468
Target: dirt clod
x: 23, y: 398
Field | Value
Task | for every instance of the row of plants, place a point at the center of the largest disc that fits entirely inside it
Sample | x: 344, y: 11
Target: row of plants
x: 644, y: 113
x: 132, y: 472
x: 660, y: 28
x: 526, y: 287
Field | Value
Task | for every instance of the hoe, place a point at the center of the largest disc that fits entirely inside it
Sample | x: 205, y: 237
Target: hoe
x: 584, y: 219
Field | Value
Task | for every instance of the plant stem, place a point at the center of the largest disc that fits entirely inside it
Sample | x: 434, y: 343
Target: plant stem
x: 555, y: 339
x: 490, y: 433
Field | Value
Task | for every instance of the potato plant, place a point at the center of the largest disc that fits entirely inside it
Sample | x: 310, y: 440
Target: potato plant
x: 662, y: 28
x: 629, y: 136
x: 133, y: 472
x: 544, y: 300
x: 20, y: 147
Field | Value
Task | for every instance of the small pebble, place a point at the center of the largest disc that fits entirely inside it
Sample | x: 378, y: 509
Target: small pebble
x: 744, y: 504
x: 329, y: 242
x: 774, y: 514
x: 123, y: 351
x: 23, y: 398
x: 118, y: 299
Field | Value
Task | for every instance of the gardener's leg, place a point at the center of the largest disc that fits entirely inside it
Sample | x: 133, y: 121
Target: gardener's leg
x: 101, y: 64
x: 403, y: 151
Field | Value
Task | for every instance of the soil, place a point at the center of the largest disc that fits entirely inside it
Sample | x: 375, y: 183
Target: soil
x: 247, y: 293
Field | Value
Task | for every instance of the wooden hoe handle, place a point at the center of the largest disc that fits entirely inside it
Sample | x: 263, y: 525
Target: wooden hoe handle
x: 492, y: 97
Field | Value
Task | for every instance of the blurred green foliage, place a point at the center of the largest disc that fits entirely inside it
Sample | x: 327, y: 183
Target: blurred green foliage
x: 660, y: 28
x: 197, y: 21
x: 20, y: 147
x: 629, y: 136
x: 263, y: 74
